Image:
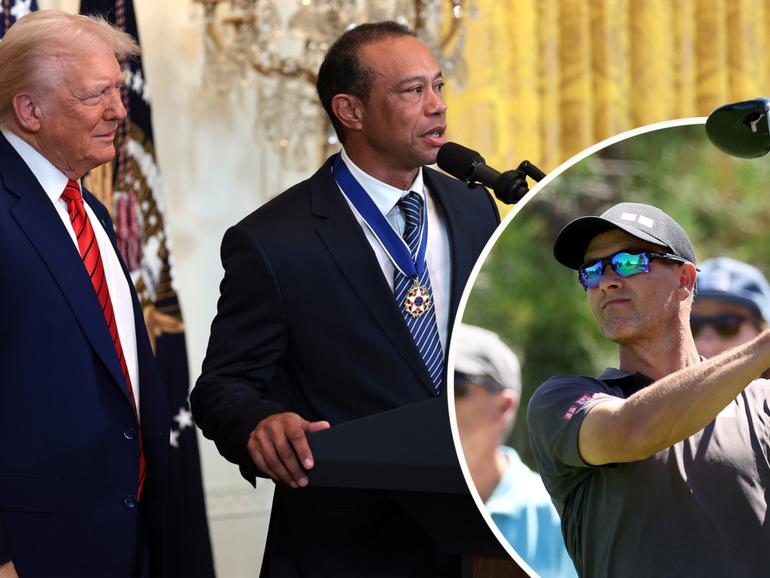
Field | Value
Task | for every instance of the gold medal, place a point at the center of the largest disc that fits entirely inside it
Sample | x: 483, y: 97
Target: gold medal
x: 418, y: 300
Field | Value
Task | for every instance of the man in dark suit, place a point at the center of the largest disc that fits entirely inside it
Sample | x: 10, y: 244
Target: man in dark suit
x: 326, y: 315
x: 82, y: 483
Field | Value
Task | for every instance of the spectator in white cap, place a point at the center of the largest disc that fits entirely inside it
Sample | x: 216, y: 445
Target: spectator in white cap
x: 487, y: 392
x: 732, y: 305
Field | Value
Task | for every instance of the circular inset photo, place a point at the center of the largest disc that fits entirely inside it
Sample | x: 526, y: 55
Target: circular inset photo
x: 609, y: 406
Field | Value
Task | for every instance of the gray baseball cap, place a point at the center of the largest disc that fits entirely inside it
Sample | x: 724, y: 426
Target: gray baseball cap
x: 644, y: 222
x: 729, y: 280
x: 480, y: 352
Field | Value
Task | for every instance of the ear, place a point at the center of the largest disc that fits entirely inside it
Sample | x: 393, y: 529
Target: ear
x: 687, y: 275
x: 509, y: 403
x: 349, y: 110
x: 26, y: 111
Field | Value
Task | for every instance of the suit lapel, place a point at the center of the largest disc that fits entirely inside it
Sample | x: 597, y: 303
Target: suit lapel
x: 343, y: 237
x: 37, y: 217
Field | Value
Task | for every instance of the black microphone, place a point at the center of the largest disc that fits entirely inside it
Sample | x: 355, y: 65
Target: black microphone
x: 468, y: 165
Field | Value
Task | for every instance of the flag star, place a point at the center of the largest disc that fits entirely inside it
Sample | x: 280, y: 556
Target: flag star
x: 174, y: 438
x: 127, y: 76
x: 184, y: 418
x: 138, y: 81
x: 146, y: 92
x: 21, y: 8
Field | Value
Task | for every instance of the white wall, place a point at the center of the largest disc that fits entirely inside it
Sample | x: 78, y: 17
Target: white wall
x: 214, y: 173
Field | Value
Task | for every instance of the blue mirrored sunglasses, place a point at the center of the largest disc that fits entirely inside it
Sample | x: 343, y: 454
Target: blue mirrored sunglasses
x: 625, y: 263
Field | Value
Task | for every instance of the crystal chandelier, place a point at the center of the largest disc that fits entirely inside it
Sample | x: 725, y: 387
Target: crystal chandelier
x: 275, y: 49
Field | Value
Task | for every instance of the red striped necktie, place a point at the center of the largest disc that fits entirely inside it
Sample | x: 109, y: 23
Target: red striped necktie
x: 92, y: 260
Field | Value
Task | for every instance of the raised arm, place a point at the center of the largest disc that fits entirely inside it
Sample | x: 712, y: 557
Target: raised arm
x: 672, y: 408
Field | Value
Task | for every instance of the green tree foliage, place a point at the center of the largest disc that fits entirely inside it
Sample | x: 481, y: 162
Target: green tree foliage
x: 537, y: 305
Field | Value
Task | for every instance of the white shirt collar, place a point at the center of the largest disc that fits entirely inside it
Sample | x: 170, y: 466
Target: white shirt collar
x: 383, y: 195
x: 50, y: 178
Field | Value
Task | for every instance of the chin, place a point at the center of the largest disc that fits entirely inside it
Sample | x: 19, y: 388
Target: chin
x: 709, y: 351
x: 103, y: 156
x: 619, y: 333
x: 427, y: 158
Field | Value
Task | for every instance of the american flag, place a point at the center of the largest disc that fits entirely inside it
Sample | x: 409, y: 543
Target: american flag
x: 12, y: 10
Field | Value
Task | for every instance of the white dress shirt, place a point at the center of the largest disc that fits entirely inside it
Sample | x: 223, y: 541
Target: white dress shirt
x: 53, y: 182
x: 437, y: 255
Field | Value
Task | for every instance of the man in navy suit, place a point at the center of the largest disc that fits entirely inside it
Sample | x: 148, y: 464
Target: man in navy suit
x: 83, y: 416
x: 326, y: 315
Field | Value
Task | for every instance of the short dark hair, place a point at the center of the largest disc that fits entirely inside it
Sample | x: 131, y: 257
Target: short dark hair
x: 341, y: 70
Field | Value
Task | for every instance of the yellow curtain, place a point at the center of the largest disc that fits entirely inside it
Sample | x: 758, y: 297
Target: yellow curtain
x: 547, y: 78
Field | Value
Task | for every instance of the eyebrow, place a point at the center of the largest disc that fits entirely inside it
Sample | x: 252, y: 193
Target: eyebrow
x: 419, y: 78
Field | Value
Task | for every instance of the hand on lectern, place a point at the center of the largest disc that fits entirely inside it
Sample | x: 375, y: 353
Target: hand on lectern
x: 279, y: 448
x: 8, y: 570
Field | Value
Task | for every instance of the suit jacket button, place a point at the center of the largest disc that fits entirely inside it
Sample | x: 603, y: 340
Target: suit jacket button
x: 129, y: 502
x: 129, y: 434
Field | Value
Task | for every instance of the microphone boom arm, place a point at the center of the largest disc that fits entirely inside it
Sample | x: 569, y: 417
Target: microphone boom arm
x: 531, y: 171
x: 511, y: 186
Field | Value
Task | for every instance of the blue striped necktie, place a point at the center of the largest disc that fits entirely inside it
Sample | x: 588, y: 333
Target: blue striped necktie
x: 417, y: 306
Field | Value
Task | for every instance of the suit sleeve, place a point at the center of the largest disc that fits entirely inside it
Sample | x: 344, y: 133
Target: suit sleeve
x: 246, y: 347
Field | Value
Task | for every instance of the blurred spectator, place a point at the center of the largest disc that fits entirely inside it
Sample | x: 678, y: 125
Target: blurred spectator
x: 732, y: 305
x: 487, y: 394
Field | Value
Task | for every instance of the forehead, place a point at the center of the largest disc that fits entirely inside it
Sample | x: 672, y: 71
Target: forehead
x: 399, y: 57
x: 714, y: 306
x: 614, y: 240
x: 91, y: 62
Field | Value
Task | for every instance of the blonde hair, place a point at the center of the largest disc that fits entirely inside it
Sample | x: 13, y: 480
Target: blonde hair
x: 45, y: 35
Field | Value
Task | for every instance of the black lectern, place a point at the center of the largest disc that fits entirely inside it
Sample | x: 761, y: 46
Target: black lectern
x: 408, y: 452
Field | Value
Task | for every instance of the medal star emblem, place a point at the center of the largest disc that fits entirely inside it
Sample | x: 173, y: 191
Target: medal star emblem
x: 418, y: 300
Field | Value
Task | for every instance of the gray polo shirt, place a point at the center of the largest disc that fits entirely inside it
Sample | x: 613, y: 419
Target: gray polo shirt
x: 698, y: 508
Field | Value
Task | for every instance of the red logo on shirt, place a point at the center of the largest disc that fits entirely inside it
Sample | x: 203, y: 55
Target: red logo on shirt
x: 579, y: 402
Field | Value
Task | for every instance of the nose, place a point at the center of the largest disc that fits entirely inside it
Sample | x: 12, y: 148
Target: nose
x: 610, y: 279
x: 436, y: 103
x: 115, y: 109
x: 709, y: 343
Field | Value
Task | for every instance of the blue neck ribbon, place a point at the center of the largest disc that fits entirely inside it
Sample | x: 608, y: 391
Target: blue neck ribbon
x: 391, y: 242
